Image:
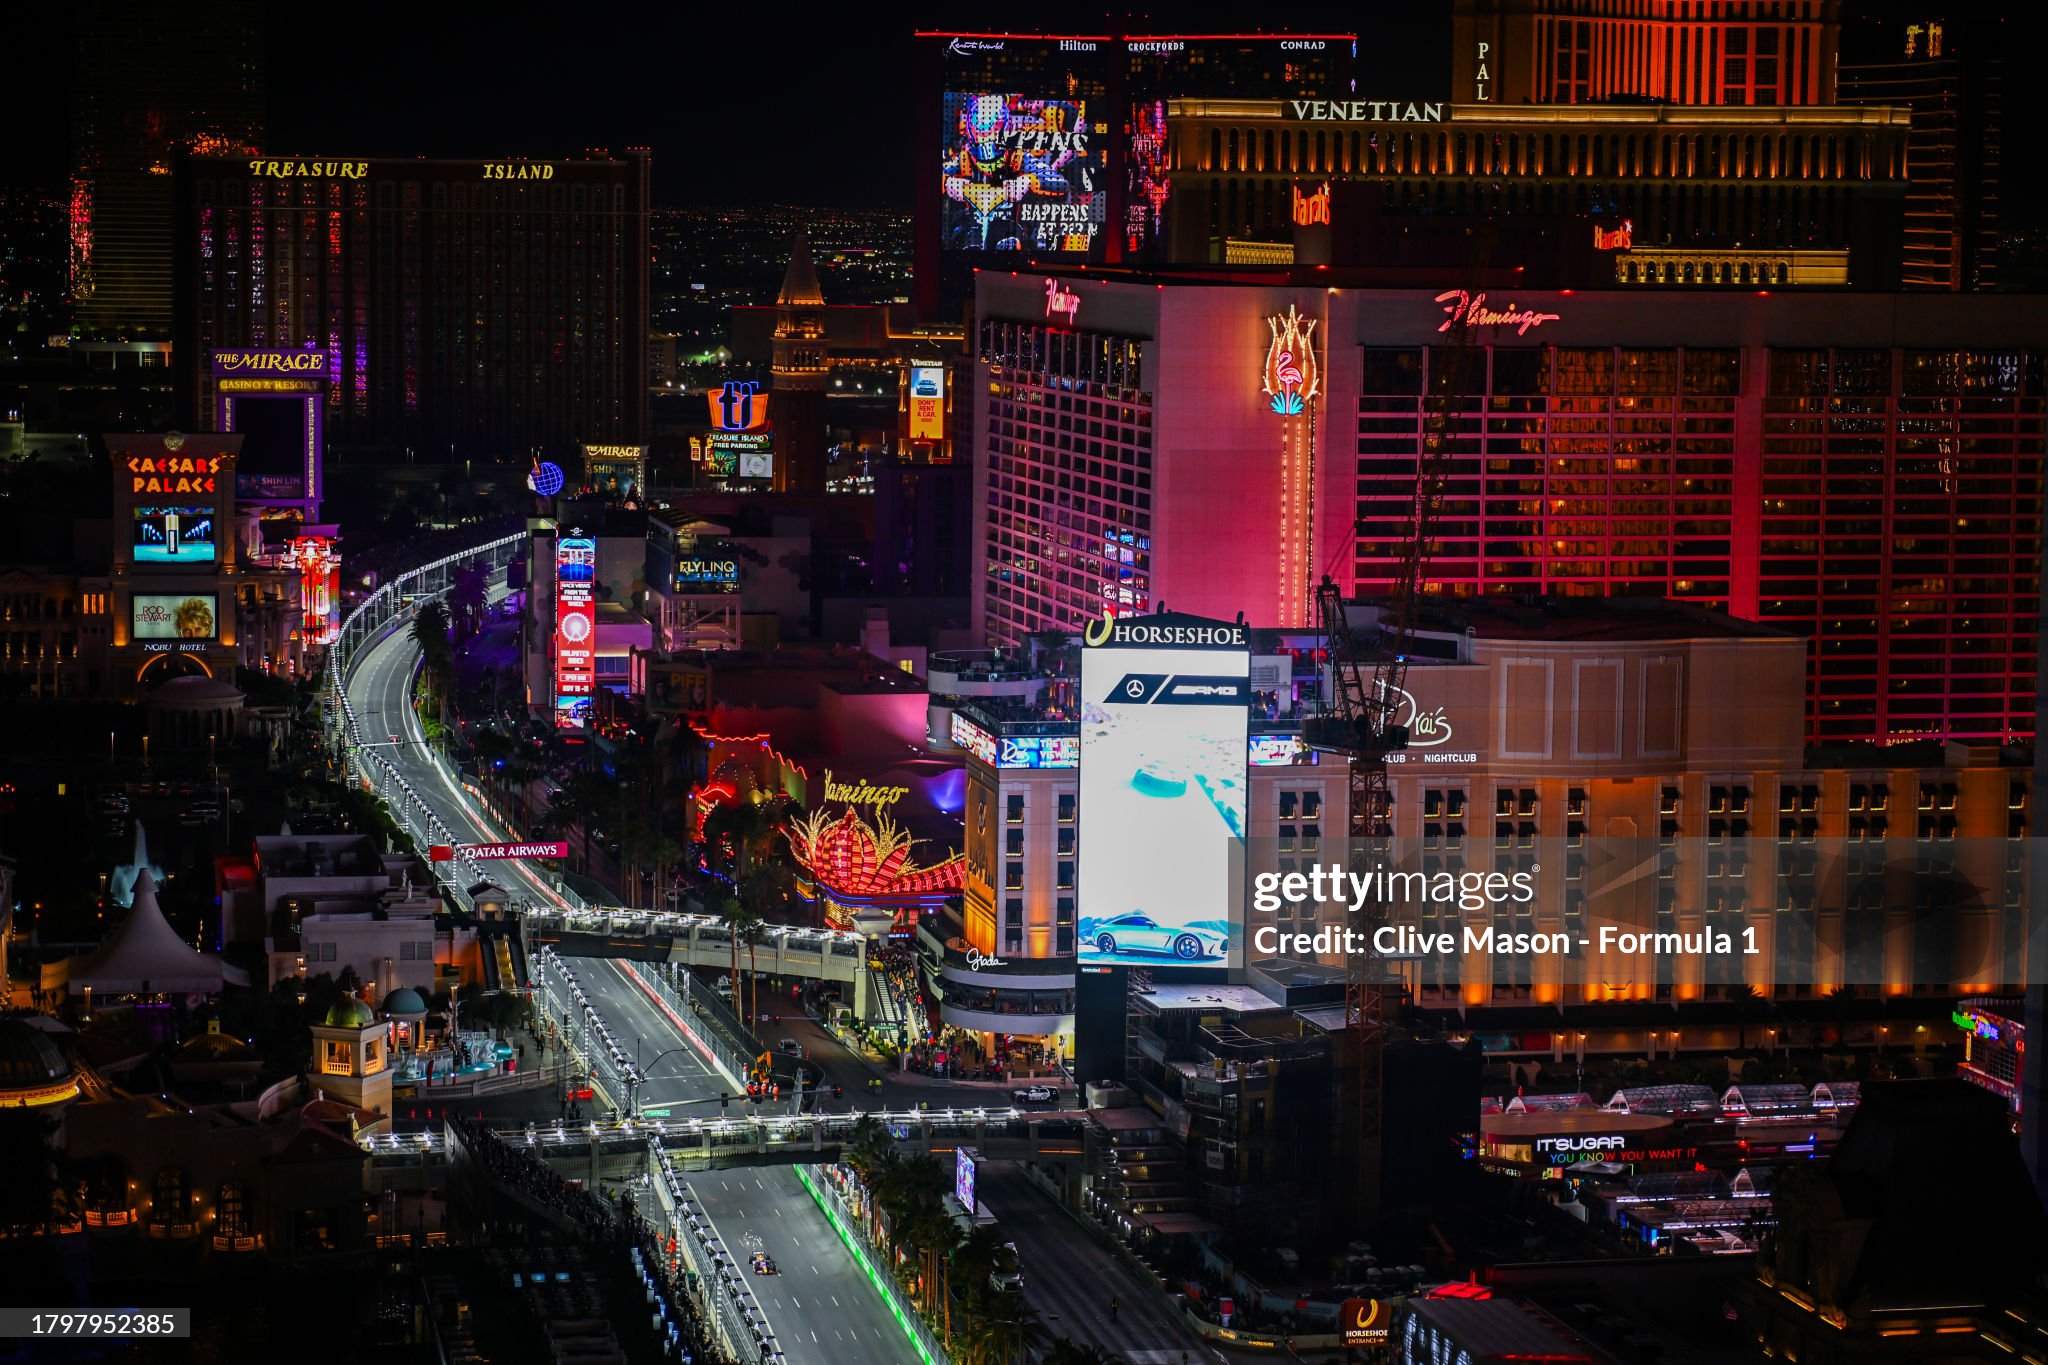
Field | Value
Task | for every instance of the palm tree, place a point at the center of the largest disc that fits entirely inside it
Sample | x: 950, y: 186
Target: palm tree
x: 430, y: 632
x: 1747, y: 998
x: 870, y: 1148
x: 1004, y: 1331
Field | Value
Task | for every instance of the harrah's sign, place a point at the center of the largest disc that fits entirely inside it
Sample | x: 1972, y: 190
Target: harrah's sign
x: 1469, y: 310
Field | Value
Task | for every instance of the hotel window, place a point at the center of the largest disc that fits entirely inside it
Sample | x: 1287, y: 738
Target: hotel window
x: 1066, y: 843
x: 1311, y: 804
x: 1013, y: 926
x: 1287, y: 805
x: 1066, y: 875
x: 1575, y: 801
x: 171, y: 1197
x: 231, y: 1211
x: 1667, y: 802
x: 1013, y: 877
x: 1311, y: 838
x: 1443, y: 816
x: 1013, y: 808
x: 1935, y: 825
x: 1013, y: 842
x: 1063, y: 932
x: 1066, y: 814
x: 1286, y: 841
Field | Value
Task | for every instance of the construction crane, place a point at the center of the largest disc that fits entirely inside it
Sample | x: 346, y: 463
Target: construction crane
x: 1359, y: 714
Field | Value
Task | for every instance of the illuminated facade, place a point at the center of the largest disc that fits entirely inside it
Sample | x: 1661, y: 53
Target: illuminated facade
x: 1951, y: 76
x: 463, y: 307
x: 1861, y: 470
x: 1008, y: 966
x: 150, y: 82
x: 1559, y: 736
x: 1726, y: 52
x: 1684, y: 176
x: 990, y: 104
x: 177, y: 581
x: 799, y: 374
x: 860, y: 865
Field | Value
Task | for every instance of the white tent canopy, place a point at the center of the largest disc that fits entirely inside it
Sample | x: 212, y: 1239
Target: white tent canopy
x: 146, y: 954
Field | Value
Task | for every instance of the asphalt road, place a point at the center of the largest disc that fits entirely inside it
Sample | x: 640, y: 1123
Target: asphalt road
x: 1070, y: 1281
x: 821, y: 1306
x: 380, y: 689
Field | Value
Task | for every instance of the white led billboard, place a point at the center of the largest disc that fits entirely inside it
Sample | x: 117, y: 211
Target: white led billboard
x: 1165, y: 712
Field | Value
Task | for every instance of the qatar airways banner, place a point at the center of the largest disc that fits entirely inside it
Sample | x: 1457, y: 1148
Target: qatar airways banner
x: 447, y: 853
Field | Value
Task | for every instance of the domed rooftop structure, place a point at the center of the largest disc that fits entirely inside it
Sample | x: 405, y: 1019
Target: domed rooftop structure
x: 32, y: 1070
x: 349, y: 1012
x: 405, y: 1001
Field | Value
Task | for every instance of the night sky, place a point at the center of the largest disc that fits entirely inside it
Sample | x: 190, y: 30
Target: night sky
x: 769, y: 102
x: 756, y: 103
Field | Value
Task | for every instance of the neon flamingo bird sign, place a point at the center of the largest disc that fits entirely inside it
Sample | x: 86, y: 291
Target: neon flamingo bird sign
x: 1292, y: 377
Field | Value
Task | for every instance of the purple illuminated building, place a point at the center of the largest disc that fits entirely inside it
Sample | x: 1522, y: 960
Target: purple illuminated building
x: 469, y: 309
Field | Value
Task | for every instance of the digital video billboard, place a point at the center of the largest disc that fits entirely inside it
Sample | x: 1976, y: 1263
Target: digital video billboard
x: 174, y: 535
x: 963, y: 1177
x: 1165, y: 718
x: 1147, y: 171
x: 575, y: 628
x: 176, y: 616
x: 1021, y: 174
x: 707, y: 566
x: 927, y: 402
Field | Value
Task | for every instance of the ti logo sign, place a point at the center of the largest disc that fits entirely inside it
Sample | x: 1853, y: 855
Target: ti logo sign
x: 736, y: 405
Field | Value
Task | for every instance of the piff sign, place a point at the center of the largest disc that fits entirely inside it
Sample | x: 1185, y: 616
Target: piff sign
x: 575, y: 628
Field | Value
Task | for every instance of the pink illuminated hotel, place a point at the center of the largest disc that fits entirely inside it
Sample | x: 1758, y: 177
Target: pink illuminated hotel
x: 1861, y: 471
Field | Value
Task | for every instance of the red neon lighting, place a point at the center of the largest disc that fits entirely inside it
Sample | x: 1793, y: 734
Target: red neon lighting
x: 1312, y: 208
x: 852, y: 859
x: 1617, y: 240
x: 1061, y: 303
x: 1470, y: 310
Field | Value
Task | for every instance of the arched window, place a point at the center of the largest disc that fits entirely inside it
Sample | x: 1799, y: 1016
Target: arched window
x: 1215, y: 150
x: 170, y: 1197
x: 231, y: 1211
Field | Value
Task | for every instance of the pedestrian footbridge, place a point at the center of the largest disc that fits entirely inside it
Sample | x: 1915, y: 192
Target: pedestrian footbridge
x: 707, y: 941
x: 621, y: 1146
